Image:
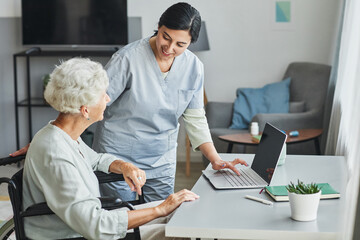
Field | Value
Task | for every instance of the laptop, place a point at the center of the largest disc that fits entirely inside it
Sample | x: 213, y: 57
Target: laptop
x: 262, y: 168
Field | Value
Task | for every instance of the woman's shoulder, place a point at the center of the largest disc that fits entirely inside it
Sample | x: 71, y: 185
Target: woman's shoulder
x: 189, y: 56
x: 125, y: 56
x: 50, y: 140
x: 49, y: 132
x: 136, y: 47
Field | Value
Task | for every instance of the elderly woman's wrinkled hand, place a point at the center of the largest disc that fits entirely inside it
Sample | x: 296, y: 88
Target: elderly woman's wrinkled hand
x: 221, y: 164
x: 134, y: 176
x: 174, y: 201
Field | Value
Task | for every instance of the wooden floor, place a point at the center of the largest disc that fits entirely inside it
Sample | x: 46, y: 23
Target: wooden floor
x: 182, y: 181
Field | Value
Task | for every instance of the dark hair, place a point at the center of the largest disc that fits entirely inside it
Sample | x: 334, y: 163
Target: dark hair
x: 182, y: 16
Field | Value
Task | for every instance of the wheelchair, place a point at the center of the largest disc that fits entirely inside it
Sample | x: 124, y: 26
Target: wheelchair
x: 15, y: 192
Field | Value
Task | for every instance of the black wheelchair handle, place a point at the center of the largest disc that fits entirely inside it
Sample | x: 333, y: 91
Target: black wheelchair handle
x: 10, y: 160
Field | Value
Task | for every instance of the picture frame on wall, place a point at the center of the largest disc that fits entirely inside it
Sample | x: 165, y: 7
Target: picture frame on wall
x: 282, y: 15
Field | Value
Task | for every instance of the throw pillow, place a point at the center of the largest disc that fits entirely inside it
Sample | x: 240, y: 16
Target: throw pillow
x: 272, y: 98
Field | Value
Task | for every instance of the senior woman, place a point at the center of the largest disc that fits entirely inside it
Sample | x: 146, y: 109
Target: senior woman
x: 59, y: 165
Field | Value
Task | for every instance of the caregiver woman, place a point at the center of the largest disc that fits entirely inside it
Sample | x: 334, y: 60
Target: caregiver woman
x: 153, y: 82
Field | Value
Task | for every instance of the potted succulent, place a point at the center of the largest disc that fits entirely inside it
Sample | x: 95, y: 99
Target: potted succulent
x: 304, y: 200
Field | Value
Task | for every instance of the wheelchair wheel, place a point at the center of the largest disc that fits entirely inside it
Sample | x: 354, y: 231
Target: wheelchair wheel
x: 7, y: 229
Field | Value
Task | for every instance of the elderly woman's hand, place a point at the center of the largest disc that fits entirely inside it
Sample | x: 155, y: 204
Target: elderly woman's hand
x: 134, y: 176
x: 221, y: 164
x: 21, y: 151
x: 174, y: 200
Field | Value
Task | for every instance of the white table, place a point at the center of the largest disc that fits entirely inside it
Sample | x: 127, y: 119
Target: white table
x: 226, y: 214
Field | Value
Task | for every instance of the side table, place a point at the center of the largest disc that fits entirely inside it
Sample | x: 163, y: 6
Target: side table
x: 246, y: 138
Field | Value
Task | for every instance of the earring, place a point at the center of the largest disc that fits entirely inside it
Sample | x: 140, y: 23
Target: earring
x: 88, y: 119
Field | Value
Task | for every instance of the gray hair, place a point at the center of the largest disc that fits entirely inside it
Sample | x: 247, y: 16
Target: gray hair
x: 75, y: 83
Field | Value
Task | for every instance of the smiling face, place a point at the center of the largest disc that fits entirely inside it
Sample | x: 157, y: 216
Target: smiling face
x: 171, y: 43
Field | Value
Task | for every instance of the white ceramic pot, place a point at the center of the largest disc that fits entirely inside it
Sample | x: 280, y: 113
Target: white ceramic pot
x: 304, y: 207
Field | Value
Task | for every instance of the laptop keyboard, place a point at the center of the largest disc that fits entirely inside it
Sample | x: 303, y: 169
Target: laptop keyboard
x: 246, y: 178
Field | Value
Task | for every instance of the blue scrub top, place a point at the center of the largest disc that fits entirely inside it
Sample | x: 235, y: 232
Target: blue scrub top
x: 140, y: 124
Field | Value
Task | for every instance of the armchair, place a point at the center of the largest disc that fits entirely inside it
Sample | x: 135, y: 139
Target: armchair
x: 308, y: 90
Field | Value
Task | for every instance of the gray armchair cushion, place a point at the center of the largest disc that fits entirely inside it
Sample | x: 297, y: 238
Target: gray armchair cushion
x: 309, y: 83
x: 297, y: 107
x: 219, y: 114
x: 289, y: 121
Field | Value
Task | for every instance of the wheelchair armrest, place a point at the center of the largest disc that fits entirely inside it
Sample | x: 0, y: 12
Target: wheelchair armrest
x: 111, y: 177
x: 110, y: 203
x: 10, y: 160
x: 37, y: 210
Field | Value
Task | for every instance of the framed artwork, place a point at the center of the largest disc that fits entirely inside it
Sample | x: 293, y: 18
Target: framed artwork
x: 282, y: 14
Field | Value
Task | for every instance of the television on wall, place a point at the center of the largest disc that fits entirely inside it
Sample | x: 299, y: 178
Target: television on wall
x: 74, y: 22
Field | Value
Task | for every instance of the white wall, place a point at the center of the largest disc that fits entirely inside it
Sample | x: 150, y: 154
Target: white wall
x: 246, y: 48
x: 10, y: 8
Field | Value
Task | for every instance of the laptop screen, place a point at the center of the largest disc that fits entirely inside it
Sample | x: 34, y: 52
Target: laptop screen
x: 268, y: 152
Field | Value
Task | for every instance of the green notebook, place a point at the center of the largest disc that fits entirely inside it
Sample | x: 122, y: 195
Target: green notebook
x: 279, y: 193
x: 256, y: 138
